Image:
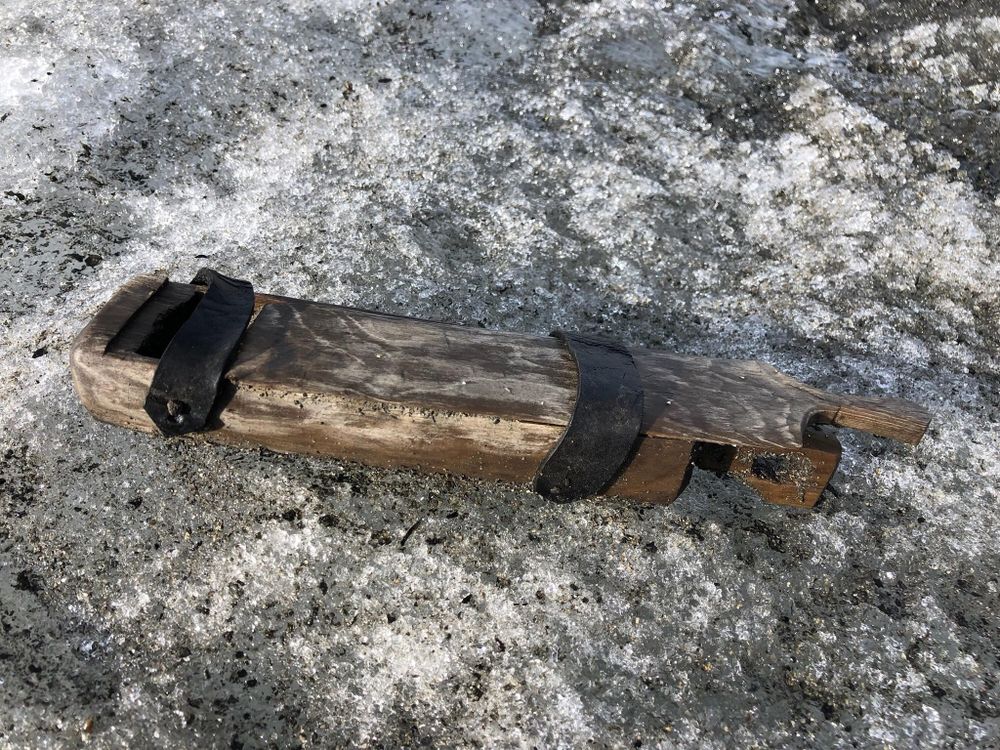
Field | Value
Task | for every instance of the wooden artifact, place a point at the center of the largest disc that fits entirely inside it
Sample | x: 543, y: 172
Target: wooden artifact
x: 575, y: 415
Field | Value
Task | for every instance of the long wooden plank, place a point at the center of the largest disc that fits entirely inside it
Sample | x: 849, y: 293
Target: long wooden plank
x: 112, y: 383
x: 354, y: 353
x: 338, y: 350
x: 395, y: 391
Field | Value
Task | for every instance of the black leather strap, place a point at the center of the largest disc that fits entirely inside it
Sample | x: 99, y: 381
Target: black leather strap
x: 605, y: 424
x: 186, y: 381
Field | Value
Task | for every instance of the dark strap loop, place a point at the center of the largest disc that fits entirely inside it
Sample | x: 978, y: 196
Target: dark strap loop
x: 605, y: 424
x: 186, y: 381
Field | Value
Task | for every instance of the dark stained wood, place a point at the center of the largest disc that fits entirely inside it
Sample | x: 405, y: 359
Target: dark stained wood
x: 395, y: 391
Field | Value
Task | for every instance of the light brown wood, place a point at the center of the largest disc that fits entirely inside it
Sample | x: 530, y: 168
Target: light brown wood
x: 395, y: 391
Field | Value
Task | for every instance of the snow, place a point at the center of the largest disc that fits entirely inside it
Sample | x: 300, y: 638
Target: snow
x: 811, y: 186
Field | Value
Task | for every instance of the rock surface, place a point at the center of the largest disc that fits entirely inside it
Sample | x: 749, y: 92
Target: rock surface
x: 813, y: 184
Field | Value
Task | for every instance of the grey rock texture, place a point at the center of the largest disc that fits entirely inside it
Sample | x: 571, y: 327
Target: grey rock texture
x: 813, y: 184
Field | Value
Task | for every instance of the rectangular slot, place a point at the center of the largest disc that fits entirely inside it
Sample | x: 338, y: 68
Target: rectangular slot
x: 148, y: 332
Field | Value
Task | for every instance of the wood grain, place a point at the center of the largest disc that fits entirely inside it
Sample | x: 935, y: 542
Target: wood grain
x: 395, y: 391
x: 338, y: 350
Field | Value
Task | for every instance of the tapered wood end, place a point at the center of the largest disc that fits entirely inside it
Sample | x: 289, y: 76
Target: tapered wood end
x: 886, y: 417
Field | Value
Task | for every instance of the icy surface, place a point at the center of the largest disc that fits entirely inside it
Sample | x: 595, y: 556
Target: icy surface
x: 813, y: 184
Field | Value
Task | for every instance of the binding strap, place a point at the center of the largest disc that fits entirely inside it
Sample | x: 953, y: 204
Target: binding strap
x: 604, y: 426
x: 186, y: 381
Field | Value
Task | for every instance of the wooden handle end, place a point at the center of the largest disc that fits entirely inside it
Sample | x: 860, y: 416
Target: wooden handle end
x: 886, y: 417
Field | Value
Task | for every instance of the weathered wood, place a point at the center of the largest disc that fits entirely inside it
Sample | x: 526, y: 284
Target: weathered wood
x: 328, y: 349
x: 395, y: 391
x: 405, y: 361
x: 791, y: 476
x: 152, y: 326
x: 112, y: 383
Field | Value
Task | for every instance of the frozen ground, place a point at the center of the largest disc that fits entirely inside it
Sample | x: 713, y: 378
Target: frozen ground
x: 809, y: 183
